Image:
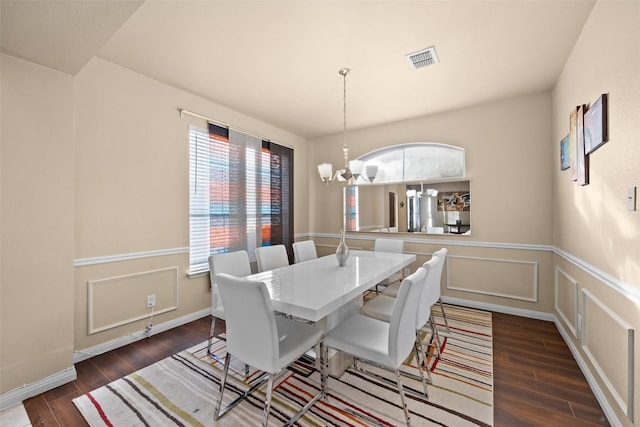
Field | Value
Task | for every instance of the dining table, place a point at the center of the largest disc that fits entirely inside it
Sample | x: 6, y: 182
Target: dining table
x: 321, y: 291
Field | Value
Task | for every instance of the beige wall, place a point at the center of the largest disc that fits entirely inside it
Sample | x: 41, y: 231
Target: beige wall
x: 36, y: 309
x: 511, y: 218
x: 504, y: 138
x: 132, y: 196
x: 112, y: 178
x: 95, y: 196
x: 598, y: 240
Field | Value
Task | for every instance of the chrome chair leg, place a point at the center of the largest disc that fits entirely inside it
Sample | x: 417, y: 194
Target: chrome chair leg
x: 223, y: 381
x: 211, y: 334
x: 422, y: 380
x: 446, y: 322
x: 267, y: 401
x: 402, y: 398
x: 434, y: 331
x: 421, y: 350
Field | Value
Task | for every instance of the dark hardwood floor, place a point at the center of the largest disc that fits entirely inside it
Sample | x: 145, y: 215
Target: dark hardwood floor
x: 536, y: 380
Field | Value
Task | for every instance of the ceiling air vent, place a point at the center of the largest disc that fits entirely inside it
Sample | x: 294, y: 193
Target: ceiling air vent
x: 423, y: 58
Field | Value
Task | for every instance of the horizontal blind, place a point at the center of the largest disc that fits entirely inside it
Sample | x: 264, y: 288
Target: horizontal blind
x: 239, y: 188
x: 198, y: 199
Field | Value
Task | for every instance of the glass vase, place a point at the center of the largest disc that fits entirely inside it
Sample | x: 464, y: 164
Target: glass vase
x: 342, y: 253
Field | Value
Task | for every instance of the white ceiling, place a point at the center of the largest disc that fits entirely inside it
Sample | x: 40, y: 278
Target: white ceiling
x: 279, y: 61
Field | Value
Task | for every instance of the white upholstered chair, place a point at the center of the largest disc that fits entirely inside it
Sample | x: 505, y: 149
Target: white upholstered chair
x: 270, y: 257
x: 263, y: 340
x: 234, y: 263
x: 304, y: 251
x: 381, y: 307
x: 437, y: 296
x: 392, y: 289
x: 394, y: 246
x: 385, y: 344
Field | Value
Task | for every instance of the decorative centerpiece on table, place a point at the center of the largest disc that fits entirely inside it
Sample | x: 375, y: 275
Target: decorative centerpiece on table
x: 342, y: 252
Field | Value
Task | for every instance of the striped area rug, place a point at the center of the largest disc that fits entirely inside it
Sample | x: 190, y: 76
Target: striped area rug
x: 182, y: 389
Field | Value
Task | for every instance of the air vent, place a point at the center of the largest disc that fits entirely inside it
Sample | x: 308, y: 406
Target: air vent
x: 423, y: 58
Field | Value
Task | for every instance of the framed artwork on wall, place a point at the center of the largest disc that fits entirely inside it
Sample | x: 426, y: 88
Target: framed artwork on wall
x: 573, y: 146
x: 583, y: 160
x: 564, y: 153
x: 595, y: 125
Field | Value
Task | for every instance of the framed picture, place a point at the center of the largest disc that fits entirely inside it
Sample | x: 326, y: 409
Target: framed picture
x: 573, y: 146
x: 582, y: 159
x: 564, y: 153
x: 595, y: 125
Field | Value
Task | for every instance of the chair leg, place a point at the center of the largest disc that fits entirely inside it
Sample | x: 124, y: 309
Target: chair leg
x: 421, y: 350
x: 434, y: 331
x: 402, y: 398
x: 422, y: 380
x: 322, y: 394
x: 211, y: 334
x: 267, y: 401
x: 216, y: 412
x: 446, y: 322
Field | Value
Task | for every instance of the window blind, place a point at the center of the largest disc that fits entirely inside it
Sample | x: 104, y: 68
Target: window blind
x: 240, y: 194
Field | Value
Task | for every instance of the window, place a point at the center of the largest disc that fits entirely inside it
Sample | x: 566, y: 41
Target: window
x: 240, y: 194
x: 415, y: 162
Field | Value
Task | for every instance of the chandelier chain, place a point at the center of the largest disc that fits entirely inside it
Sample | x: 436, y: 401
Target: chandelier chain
x: 344, y: 111
x: 345, y: 149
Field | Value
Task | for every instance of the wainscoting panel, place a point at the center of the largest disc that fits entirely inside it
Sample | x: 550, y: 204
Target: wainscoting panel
x: 506, y: 278
x: 116, y: 301
x: 566, y: 299
x: 608, y: 342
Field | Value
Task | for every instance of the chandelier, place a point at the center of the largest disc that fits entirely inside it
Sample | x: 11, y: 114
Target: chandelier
x: 352, y: 169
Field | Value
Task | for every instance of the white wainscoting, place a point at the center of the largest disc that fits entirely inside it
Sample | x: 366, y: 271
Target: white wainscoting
x: 562, y: 279
x: 494, y: 283
x: 616, y: 343
x: 93, y: 285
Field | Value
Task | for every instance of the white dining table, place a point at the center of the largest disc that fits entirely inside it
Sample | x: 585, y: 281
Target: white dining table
x: 320, y: 291
x: 314, y: 289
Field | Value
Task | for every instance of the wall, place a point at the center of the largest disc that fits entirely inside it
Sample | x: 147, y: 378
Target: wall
x: 507, y: 259
x: 36, y: 309
x: 597, y: 262
x: 132, y: 201
x: 95, y: 215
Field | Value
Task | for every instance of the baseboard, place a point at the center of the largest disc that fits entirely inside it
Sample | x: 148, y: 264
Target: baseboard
x: 595, y: 388
x: 17, y: 395
x: 80, y: 355
x: 540, y: 315
x: 597, y: 391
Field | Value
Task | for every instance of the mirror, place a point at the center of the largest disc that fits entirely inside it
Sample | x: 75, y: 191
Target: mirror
x: 436, y: 207
x: 418, y: 189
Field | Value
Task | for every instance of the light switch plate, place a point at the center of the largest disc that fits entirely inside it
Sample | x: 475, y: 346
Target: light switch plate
x: 631, y: 198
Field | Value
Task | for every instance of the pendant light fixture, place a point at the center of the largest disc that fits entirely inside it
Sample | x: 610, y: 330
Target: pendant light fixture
x: 352, y: 169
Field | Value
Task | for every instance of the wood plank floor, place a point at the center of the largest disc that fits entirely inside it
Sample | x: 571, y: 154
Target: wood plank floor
x: 537, y: 382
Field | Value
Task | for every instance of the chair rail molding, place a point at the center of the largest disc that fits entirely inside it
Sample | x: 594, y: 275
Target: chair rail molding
x: 105, y: 259
x: 626, y: 289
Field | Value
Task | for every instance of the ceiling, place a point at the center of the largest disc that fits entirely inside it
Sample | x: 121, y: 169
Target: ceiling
x: 278, y: 61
